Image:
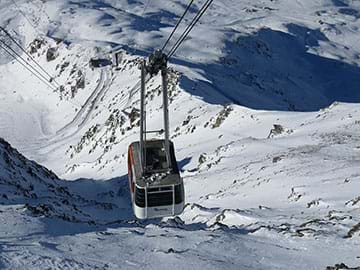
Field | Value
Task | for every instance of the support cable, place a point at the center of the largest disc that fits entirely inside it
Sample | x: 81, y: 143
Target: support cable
x: 37, y: 64
x: 134, y: 42
x: 8, y: 51
x: 27, y: 63
x: 145, y: 7
x: 189, y: 28
x: 177, y: 25
x: 37, y: 76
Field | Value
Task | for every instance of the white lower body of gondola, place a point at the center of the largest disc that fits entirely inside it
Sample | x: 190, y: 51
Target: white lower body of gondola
x: 158, y: 211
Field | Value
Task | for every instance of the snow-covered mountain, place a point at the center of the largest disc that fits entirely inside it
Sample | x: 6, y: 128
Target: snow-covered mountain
x: 41, y: 193
x: 264, y: 115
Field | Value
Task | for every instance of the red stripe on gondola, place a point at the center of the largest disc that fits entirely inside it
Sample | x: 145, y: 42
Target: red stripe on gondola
x: 130, y: 173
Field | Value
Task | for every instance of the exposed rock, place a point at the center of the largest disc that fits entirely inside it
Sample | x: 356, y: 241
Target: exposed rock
x: 341, y: 266
x: 279, y: 130
x: 35, y: 45
x: 51, y: 54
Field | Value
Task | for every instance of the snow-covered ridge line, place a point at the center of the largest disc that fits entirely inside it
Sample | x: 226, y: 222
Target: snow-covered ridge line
x: 264, y: 116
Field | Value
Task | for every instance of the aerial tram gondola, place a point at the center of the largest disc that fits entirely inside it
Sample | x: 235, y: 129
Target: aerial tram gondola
x: 156, y: 187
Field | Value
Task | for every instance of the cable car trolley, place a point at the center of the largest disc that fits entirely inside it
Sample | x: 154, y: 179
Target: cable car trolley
x: 157, y: 190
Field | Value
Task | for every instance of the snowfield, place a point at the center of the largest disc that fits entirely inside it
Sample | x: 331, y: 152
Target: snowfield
x: 264, y: 115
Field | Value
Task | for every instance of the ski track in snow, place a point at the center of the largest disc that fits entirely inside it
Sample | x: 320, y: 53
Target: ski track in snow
x: 82, y: 116
x: 86, y: 108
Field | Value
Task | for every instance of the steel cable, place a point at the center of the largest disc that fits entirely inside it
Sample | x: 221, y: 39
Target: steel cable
x: 177, y: 25
x: 189, y: 28
x: 37, y: 76
x: 32, y: 59
x: 27, y: 63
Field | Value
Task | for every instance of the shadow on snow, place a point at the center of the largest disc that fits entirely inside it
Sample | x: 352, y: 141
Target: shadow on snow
x: 274, y: 70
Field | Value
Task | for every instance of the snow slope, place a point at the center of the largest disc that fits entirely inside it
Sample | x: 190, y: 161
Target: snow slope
x: 264, y: 116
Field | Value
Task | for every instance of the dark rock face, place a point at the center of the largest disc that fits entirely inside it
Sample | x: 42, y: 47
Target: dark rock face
x: 36, y: 44
x: 21, y: 178
x: 341, y: 266
x: 42, y: 193
x: 99, y: 62
x: 51, y: 54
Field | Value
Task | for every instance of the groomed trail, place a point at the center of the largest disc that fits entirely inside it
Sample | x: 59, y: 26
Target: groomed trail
x: 81, y: 118
x: 87, y: 108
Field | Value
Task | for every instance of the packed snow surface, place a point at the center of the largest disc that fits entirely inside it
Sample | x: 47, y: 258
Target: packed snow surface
x: 264, y: 115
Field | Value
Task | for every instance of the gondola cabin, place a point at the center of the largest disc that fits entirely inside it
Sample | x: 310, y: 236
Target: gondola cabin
x: 157, y: 190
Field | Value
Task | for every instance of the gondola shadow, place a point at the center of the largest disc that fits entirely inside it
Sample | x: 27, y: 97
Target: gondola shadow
x: 182, y: 163
x: 106, y: 203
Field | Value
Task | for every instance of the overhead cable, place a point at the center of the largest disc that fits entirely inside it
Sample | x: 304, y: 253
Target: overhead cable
x: 32, y: 59
x: 9, y: 51
x: 177, y: 25
x: 27, y: 63
x: 189, y: 28
x: 145, y: 7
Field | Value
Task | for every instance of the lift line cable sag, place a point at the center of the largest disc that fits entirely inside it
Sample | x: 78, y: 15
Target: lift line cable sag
x: 21, y: 63
x: 177, y: 25
x: 27, y: 63
x: 32, y: 59
x: 189, y: 28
